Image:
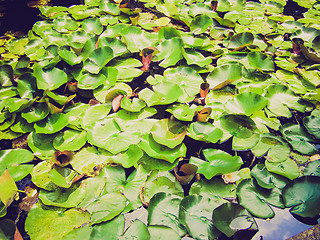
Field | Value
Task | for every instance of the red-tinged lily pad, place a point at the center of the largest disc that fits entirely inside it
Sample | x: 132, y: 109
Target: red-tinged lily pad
x: 303, y: 196
x: 218, y: 163
x: 13, y: 160
x: 169, y: 132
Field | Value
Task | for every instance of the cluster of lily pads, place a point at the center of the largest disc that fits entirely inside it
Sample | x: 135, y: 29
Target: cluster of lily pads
x: 109, y: 97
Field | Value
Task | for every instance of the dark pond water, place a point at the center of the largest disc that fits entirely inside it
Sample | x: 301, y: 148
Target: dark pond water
x: 17, y: 16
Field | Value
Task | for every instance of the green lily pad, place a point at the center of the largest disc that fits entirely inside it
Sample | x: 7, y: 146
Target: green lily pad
x: 128, y: 158
x: 163, y: 210
x: 195, y: 212
x: 183, y: 112
x: 26, y: 85
x: 171, y: 52
x: 91, y: 81
x: 41, y: 216
x: 230, y: 218
x: 8, y: 192
x: 64, y: 24
x: 200, y: 24
x: 134, y: 105
x: 40, y: 175
x: 70, y: 57
x: 276, y: 148
x: 135, y: 38
x: 97, y: 59
x: 92, y: 25
x: 241, y: 40
x: 287, y: 168
x: 150, y: 163
x: 313, y: 168
x: 69, y: 140
x: 138, y: 230
x: 94, y: 113
x: 62, y: 197
x: 6, y: 74
x: 224, y: 75
x: 238, y: 125
x: 13, y: 159
x: 299, y: 138
x: 52, y: 124
x: 204, y: 131
x: 303, y: 195
x: 62, y: 177
x: 281, y: 98
x: 218, y: 163
x: 161, y: 232
x: 255, y: 198
x: 156, y: 150
x: 246, y: 103
x: 127, y: 68
x: 194, y: 57
x: 260, y: 61
x: 214, y: 188
x: 168, y: 132
x: 8, y: 228
x: 312, y: 123
x: 36, y: 113
x: 267, y: 179
x: 41, y: 145
x: 49, y: 78
x: 98, y: 159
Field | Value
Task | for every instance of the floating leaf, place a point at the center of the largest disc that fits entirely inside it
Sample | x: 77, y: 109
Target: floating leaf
x: 40, y: 175
x: 49, y: 78
x: 36, y: 113
x: 287, y: 168
x: 204, y: 131
x: 240, y: 126
x: 41, y: 145
x: 70, y: 140
x: 161, y: 232
x: 138, y: 230
x: 312, y: 123
x: 200, y: 24
x: 52, y: 124
x: 97, y: 59
x: 260, y: 61
x: 8, y: 191
x: 40, y: 216
x: 171, y: 51
x: 313, y: 168
x: 218, y: 163
x: 302, y: 194
x: 183, y: 112
x: 62, y: 177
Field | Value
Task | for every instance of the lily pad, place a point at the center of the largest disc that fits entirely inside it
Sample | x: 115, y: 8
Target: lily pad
x: 313, y: 168
x: 36, y: 113
x: 13, y: 159
x: 49, y: 78
x: 200, y: 24
x: 287, y: 168
x: 97, y: 59
x: 218, y: 163
x: 62, y: 177
x: 163, y: 211
x: 260, y: 61
x: 303, y: 195
x: 238, y: 125
x: 183, y: 112
x: 161, y: 232
x: 171, y: 51
x: 8, y: 191
x: 52, y: 124
x: 312, y: 123
x: 138, y: 230
x: 40, y: 216
x: 69, y: 140
x: 41, y: 145
x: 195, y: 212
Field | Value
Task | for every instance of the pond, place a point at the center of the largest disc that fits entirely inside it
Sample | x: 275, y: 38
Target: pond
x: 142, y: 117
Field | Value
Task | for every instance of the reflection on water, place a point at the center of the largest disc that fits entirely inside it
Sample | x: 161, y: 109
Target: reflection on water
x: 281, y: 227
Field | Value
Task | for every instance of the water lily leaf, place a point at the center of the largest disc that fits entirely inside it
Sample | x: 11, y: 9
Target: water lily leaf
x: 313, y: 168
x: 62, y: 177
x: 162, y: 210
x: 187, y: 79
x: 8, y: 228
x: 287, y: 168
x: 161, y: 232
x: 218, y: 163
x: 41, y: 216
x: 281, y: 98
x: 110, y: 8
x: 97, y: 59
x: 240, y: 126
x: 118, y: 47
x: 150, y: 163
x: 128, y: 158
x: 138, y: 230
x: 312, y: 123
x: 168, y: 132
x: 70, y: 57
x: 41, y: 145
x: 260, y: 61
x: 223, y: 75
x: 6, y: 75
x: 8, y: 92
x: 161, y: 181
x: 278, y: 150
x: 36, y: 113
x: 230, y: 218
x: 8, y: 190
x: 70, y: 140
x: 156, y: 150
x: 52, y: 124
x: 302, y: 194
x: 135, y: 38
x: 49, y: 78
x: 137, y: 117
x: 91, y: 81
x: 94, y: 114
x: 214, y: 188
x: 241, y: 40
x: 98, y: 159
x: 194, y: 57
x: 26, y: 85
x: 247, y: 103
x: 299, y: 138
x: 183, y: 112
x: 13, y: 159
x: 79, y: 12
x: 164, y: 93
x: 230, y: 5
x: 245, y: 143
x: 254, y: 198
x: 75, y: 114
x: 65, y: 24
x: 40, y: 175
x: 127, y: 68
x: 16, y: 46
x: 129, y: 187
x: 34, y: 49
x: 62, y: 197
x: 21, y: 126
x: 18, y: 104
x: 200, y: 24
x: 92, y: 25
x: 171, y: 51
x: 204, y: 131
x: 132, y: 105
